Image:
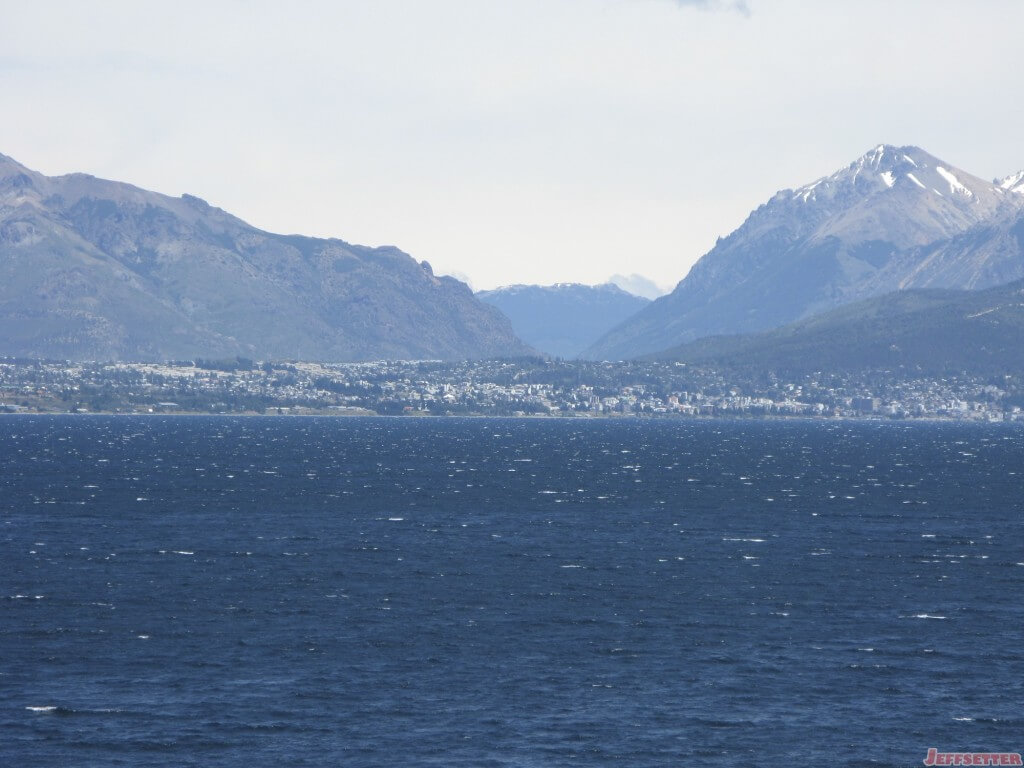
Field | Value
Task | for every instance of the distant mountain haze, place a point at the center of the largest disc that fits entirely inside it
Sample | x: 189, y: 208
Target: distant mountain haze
x: 565, y: 318
x: 895, y: 218
x: 638, y: 285
x: 96, y: 269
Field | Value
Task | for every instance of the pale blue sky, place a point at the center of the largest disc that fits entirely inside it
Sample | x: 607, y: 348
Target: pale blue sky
x: 506, y: 141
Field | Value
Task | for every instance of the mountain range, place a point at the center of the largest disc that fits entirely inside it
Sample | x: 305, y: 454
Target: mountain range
x: 102, y: 270
x: 96, y: 269
x: 895, y: 218
x: 565, y: 318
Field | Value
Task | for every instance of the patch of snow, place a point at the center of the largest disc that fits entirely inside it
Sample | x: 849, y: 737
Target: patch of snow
x: 913, y: 178
x: 983, y: 312
x: 954, y: 183
x: 910, y: 160
x: 805, y: 193
x: 887, y: 178
x: 1013, y: 183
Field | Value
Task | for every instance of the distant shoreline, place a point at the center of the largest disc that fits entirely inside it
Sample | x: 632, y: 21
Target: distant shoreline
x: 681, y: 418
x: 501, y: 389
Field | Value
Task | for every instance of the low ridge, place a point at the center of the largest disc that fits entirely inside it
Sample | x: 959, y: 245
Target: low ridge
x: 928, y: 332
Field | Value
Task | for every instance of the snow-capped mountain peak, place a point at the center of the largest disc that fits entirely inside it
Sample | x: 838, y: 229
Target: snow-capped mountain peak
x: 909, y: 170
x: 857, y: 232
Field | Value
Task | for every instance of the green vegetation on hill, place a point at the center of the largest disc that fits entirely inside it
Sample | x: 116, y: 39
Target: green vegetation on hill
x: 930, y: 332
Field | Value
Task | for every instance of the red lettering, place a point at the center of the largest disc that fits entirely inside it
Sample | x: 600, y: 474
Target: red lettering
x: 934, y: 757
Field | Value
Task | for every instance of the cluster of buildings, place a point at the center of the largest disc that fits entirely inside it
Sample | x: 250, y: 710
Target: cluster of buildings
x: 529, y: 387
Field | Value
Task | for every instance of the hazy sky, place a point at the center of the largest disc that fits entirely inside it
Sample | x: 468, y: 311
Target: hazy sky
x: 506, y: 140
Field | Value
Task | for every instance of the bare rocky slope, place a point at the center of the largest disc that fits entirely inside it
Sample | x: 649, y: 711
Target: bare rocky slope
x: 96, y: 269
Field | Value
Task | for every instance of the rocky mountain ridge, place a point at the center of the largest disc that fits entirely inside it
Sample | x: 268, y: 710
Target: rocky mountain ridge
x: 98, y: 269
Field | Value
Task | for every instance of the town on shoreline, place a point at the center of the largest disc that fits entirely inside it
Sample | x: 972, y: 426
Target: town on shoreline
x: 526, y: 387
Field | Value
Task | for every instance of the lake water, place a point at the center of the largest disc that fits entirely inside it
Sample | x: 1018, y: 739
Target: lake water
x: 217, y: 591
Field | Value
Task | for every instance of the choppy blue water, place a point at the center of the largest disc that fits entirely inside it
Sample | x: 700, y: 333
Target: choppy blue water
x: 387, y: 592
